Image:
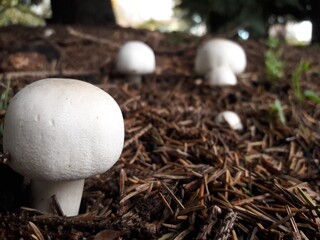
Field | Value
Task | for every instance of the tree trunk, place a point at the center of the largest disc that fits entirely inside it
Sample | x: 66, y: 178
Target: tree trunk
x: 315, y: 19
x: 63, y: 12
x: 95, y: 12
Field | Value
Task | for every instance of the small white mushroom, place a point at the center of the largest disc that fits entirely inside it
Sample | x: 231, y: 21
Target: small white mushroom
x: 231, y: 118
x: 217, y: 53
x: 221, y: 75
x: 59, y: 132
x: 135, y: 58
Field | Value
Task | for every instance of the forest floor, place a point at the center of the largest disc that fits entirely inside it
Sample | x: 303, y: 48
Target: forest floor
x: 180, y: 175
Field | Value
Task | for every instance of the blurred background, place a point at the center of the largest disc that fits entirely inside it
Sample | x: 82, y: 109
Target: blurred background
x: 296, y: 21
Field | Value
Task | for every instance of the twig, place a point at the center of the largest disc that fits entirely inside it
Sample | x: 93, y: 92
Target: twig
x: 226, y: 226
x: 55, y: 206
x: 36, y: 231
x: 173, y: 195
x: 37, y: 74
x: 138, y: 135
x: 92, y: 38
x: 166, y: 204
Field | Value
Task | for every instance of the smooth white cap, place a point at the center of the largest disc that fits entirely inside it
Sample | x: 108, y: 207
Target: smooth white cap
x: 220, y: 52
x: 231, y: 118
x: 62, y: 129
x: 221, y: 75
x: 135, y: 58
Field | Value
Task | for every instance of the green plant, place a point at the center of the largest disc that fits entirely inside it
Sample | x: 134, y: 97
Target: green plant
x: 274, y: 65
x: 227, y: 16
x: 302, y: 68
x: 277, y: 109
x: 16, y: 12
x: 178, y: 38
x: 4, y: 97
x: 273, y: 42
x: 311, y: 95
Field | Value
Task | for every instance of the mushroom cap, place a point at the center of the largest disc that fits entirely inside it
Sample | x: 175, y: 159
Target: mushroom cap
x: 62, y: 129
x: 135, y: 58
x: 231, y: 118
x: 218, y: 52
x: 221, y: 75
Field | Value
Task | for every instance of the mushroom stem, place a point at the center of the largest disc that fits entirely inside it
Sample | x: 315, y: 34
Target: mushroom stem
x: 221, y: 75
x: 135, y: 79
x: 68, y: 194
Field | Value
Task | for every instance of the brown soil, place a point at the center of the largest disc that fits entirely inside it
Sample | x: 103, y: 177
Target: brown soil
x: 180, y: 176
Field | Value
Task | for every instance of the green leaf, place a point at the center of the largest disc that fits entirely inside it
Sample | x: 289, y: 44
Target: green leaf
x: 276, y: 108
x: 274, y: 66
x: 311, y: 96
x: 303, y: 67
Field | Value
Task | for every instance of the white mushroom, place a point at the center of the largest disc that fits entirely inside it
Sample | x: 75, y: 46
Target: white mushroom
x: 59, y: 132
x: 135, y: 58
x: 231, y: 118
x: 221, y: 75
x: 220, y: 53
